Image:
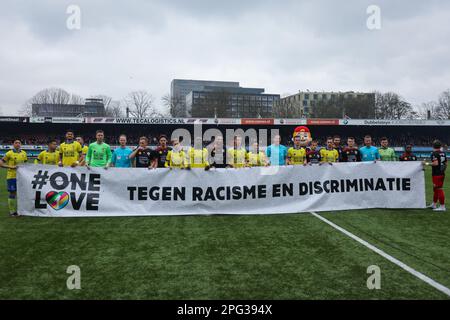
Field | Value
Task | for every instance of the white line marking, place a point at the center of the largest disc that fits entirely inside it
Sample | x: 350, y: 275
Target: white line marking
x: 415, y: 273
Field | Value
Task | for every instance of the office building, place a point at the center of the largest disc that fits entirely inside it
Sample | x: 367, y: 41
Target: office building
x: 180, y: 88
x: 230, y: 102
x: 92, y: 108
x: 304, y: 101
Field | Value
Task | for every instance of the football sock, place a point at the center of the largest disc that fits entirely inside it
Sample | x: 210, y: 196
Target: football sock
x: 12, y: 205
x: 435, y: 195
x: 442, y: 197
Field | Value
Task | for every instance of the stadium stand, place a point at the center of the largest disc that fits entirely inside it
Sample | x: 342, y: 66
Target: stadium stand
x: 34, y: 133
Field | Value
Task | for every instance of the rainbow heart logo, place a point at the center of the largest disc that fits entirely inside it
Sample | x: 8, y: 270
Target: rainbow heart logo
x: 57, y: 200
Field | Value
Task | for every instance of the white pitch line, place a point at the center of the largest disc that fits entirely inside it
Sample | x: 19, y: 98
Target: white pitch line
x: 414, y: 272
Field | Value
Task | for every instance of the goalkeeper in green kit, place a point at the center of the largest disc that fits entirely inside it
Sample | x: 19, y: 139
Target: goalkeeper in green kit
x: 386, y: 153
x: 99, y: 153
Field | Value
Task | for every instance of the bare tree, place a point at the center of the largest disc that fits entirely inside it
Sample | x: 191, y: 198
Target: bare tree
x: 359, y: 107
x: 115, y: 110
x: 140, y: 105
x: 76, y: 99
x: 175, y: 105
x: 443, y: 105
x: 106, y: 99
x: 26, y: 110
x: 327, y: 108
x: 287, y: 109
x: 345, y: 106
x: 391, y: 106
x: 46, y: 96
x: 427, y: 110
x: 165, y: 113
x: 58, y: 96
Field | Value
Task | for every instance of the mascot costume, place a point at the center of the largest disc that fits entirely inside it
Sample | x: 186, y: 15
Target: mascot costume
x: 305, y: 136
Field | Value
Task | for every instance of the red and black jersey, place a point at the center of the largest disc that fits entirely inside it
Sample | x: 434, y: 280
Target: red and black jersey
x: 145, y: 157
x: 339, y: 150
x: 351, y: 155
x: 441, y: 158
x: 408, y: 156
x: 161, y: 155
x: 313, y: 156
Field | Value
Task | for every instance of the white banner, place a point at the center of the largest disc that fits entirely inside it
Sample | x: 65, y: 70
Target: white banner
x: 50, y: 191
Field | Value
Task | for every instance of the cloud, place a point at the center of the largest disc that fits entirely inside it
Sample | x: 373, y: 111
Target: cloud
x: 284, y: 46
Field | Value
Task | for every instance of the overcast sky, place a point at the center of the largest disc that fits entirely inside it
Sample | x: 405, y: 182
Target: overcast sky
x: 283, y: 46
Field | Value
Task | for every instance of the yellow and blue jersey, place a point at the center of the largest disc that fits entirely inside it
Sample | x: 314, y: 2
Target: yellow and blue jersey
x: 46, y: 157
x: 14, y: 158
x: 297, y: 155
x: 84, y: 150
x: 256, y: 159
x: 237, y: 157
x: 329, y: 155
x: 175, y: 159
x: 197, y: 158
x: 70, y: 152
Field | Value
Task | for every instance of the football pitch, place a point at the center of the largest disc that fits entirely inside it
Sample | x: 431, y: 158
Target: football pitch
x: 293, y: 256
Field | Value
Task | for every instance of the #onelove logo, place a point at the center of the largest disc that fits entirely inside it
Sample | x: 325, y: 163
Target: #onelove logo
x: 80, y: 190
x: 57, y: 200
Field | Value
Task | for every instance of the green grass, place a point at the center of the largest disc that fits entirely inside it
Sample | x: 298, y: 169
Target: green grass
x: 293, y: 256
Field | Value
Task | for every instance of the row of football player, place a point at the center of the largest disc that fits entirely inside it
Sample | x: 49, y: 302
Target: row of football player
x: 73, y: 152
